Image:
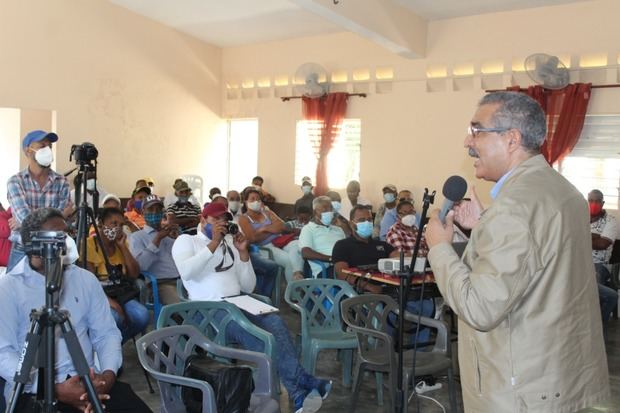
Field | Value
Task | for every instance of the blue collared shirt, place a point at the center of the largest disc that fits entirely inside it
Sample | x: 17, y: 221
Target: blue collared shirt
x: 23, y: 289
x: 498, y: 185
x: 157, y: 260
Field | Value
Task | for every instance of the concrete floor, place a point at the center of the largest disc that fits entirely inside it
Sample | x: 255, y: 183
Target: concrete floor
x: 339, y: 399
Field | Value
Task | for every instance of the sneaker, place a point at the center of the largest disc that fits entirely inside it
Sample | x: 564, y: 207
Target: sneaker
x: 309, y: 402
x: 324, y: 387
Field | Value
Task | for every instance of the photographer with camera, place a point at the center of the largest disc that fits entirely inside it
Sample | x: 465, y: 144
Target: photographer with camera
x: 130, y: 315
x: 214, y: 264
x: 24, y: 289
x: 37, y: 186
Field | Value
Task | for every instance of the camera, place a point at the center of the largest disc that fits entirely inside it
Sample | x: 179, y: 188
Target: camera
x: 84, y: 153
x: 232, y: 228
x: 46, y: 244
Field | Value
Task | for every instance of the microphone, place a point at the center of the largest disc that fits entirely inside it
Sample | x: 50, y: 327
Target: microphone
x: 453, y: 190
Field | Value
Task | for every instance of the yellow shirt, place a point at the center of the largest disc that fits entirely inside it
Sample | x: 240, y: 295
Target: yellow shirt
x: 95, y: 257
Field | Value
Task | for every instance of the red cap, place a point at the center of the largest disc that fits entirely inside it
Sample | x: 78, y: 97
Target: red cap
x: 214, y: 209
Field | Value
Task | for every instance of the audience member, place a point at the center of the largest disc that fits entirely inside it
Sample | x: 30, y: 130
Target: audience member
x: 5, y: 233
x: 140, y: 183
x: 257, y: 182
x: 186, y: 215
x: 391, y: 215
x: 302, y: 217
x: 403, y: 234
x: 213, y: 264
x: 171, y: 197
x: 389, y: 196
x: 24, y: 289
x: 135, y: 215
x: 92, y: 184
x: 37, y: 186
x: 307, y: 197
x: 604, y: 228
x: 317, y: 239
x: 234, y: 204
x: 352, y: 199
x: 339, y: 220
x: 360, y: 248
x: 152, y: 248
x: 261, y: 226
x: 131, y: 316
x: 111, y: 201
x: 214, y: 192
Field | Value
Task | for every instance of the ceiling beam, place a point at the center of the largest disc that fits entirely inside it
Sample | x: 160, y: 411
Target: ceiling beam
x: 381, y: 21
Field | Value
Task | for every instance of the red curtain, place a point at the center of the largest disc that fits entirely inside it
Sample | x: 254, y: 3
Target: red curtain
x: 566, y: 111
x: 330, y: 110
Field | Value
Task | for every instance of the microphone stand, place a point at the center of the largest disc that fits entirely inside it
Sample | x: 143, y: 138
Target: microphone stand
x: 404, y: 286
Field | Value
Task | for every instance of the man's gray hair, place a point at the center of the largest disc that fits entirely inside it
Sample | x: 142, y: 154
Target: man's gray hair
x: 321, y: 200
x: 519, y: 111
x: 35, y: 220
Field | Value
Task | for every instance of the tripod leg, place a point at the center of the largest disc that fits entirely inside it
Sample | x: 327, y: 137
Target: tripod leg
x: 25, y: 364
x: 80, y: 364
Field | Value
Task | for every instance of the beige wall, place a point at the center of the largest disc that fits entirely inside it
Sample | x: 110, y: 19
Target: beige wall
x: 411, y: 137
x: 146, y: 95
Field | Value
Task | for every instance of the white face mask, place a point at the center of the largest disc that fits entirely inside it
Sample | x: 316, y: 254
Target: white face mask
x: 233, y: 206
x: 90, y: 184
x: 408, y: 220
x: 44, y: 156
x: 254, y: 206
x: 72, y: 253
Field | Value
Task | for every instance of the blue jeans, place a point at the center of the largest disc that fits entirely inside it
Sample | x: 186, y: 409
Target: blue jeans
x: 138, y: 318
x: 16, y: 255
x: 295, y: 379
x: 266, y: 272
x: 428, y: 308
x: 608, y: 296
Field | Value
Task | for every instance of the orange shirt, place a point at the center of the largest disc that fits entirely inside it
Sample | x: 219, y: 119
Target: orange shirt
x: 136, y: 218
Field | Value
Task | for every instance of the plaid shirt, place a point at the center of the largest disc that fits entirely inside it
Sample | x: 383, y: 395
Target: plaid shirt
x: 403, y: 238
x: 25, y: 195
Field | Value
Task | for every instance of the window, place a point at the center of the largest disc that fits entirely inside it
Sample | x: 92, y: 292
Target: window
x: 242, y: 152
x: 594, y: 163
x: 343, y: 161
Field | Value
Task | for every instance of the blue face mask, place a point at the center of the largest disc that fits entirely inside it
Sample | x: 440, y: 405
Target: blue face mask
x: 389, y: 197
x: 327, y: 217
x: 364, y: 229
x: 336, y: 205
x: 306, y: 189
x: 208, y: 230
x: 137, y: 204
x: 153, y: 219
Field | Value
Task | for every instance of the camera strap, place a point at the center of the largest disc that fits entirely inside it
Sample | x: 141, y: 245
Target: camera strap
x: 226, y: 250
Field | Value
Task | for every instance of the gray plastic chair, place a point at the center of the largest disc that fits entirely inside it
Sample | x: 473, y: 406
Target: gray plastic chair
x: 368, y: 316
x: 163, y: 354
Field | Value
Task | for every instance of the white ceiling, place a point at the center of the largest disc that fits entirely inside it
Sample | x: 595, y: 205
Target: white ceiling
x: 227, y: 23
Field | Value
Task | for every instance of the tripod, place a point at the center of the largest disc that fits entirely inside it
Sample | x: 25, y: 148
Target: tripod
x: 41, y: 338
x: 403, y: 288
x: 85, y: 214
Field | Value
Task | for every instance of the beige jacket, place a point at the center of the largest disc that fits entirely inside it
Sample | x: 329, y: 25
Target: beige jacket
x: 530, y: 334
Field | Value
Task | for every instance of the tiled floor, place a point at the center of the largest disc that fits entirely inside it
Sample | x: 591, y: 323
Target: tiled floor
x: 339, y: 400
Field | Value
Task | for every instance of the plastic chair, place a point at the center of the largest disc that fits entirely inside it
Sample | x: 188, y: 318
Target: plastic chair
x: 202, y: 315
x: 163, y: 354
x: 317, y: 300
x: 155, y: 303
x: 325, y: 269
x: 368, y: 316
x: 276, y: 294
x: 196, y: 183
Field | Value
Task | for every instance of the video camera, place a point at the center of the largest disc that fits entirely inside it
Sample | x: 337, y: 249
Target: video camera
x: 84, y: 153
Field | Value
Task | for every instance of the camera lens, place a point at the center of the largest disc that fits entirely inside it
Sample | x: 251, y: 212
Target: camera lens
x: 232, y: 228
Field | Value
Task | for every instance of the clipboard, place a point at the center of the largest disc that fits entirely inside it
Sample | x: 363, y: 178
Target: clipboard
x: 251, y: 305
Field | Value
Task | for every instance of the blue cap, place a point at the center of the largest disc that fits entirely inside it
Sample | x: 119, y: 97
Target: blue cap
x: 38, y: 136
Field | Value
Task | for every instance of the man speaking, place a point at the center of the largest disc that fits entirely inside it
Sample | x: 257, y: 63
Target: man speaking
x: 530, y: 335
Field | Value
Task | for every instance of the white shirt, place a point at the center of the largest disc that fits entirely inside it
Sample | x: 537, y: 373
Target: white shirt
x: 607, y: 227
x: 346, y: 206
x: 197, y: 266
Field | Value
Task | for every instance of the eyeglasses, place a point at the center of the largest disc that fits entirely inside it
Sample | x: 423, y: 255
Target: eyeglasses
x: 474, y: 130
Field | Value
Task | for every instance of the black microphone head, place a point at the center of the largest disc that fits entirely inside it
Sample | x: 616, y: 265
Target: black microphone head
x: 454, y: 188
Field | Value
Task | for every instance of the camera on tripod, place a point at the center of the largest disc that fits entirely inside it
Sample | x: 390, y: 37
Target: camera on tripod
x: 46, y: 244
x: 83, y: 153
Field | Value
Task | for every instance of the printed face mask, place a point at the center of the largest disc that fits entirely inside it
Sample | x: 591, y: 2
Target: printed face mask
x: 110, y: 233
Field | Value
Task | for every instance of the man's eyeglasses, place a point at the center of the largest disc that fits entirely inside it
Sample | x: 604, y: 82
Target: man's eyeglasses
x: 475, y: 130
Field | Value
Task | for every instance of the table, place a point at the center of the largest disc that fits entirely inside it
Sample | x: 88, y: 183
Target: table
x: 388, y: 279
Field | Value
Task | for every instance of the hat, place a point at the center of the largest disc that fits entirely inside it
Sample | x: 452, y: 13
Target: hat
x: 111, y: 196
x: 214, y: 209
x: 151, y: 200
x: 181, y: 186
x: 141, y: 189
x: 390, y: 187
x: 38, y: 136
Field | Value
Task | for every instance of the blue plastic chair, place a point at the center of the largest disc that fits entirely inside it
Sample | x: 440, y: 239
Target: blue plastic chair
x: 318, y: 302
x: 325, y: 269
x: 153, y: 304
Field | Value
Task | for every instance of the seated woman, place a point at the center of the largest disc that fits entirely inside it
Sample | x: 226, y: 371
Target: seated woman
x: 131, y: 317
x: 262, y: 227
x: 214, y: 264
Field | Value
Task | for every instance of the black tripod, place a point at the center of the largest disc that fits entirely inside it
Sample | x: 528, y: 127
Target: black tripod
x: 403, y: 290
x: 85, y: 214
x: 41, y: 339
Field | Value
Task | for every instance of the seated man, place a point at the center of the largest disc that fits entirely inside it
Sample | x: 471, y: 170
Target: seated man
x: 307, y: 197
x: 303, y: 216
x: 257, y: 182
x: 353, y: 198
x: 214, y: 264
x: 339, y: 220
x: 186, y: 214
x: 152, y: 248
x: 389, y: 206
x: 234, y: 204
x: 604, y: 230
x: 172, y: 198
x: 391, y: 215
x: 403, y: 234
x: 23, y: 289
x: 317, y: 239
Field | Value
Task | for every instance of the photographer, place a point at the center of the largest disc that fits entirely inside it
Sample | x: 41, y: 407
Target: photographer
x: 131, y: 317
x: 23, y: 289
x: 214, y: 264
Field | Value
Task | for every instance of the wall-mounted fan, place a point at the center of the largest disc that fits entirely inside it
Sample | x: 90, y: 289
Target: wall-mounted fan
x: 547, y: 71
x: 311, y: 80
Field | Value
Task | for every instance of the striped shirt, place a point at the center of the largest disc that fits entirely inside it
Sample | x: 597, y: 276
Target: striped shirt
x: 182, y: 211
